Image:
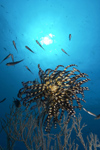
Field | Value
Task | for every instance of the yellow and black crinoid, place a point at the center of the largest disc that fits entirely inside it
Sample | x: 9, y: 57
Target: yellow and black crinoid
x: 58, y: 90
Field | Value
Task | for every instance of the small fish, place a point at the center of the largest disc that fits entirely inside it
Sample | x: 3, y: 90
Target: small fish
x: 97, y: 116
x: 12, y: 57
x: 2, y: 6
x: 29, y: 49
x: 39, y: 44
x: 28, y: 69
x: 6, y: 57
x: 89, y: 112
x: 70, y: 36
x: 5, y: 49
x: 2, y: 100
x: 14, y: 45
x: 17, y: 103
x: 65, y: 52
x: 13, y: 63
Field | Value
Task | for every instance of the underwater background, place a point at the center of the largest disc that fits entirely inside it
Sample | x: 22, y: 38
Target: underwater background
x: 50, y: 22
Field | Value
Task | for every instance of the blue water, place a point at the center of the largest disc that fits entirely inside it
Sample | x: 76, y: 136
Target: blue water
x: 25, y: 21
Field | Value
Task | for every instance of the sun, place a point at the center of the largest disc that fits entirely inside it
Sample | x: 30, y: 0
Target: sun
x: 47, y: 39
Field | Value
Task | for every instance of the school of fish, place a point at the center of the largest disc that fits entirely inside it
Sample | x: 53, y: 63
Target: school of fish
x: 12, y: 63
